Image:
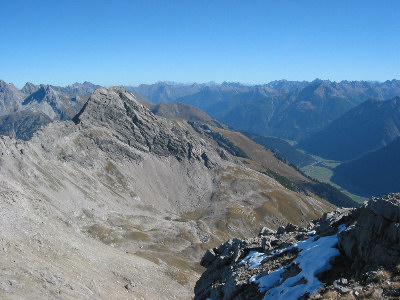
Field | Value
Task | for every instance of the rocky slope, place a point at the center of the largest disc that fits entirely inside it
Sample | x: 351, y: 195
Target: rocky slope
x: 122, y: 203
x: 349, y: 253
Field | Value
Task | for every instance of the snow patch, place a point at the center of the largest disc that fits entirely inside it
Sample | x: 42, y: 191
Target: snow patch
x: 254, y: 259
x: 313, y: 258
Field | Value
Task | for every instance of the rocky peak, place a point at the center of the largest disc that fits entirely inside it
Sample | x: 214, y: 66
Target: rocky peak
x: 29, y: 88
x: 136, y: 126
x: 10, y: 97
x: 9, y: 89
x: 75, y: 89
x: 109, y: 105
x: 43, y: 93
x: 52, y: 102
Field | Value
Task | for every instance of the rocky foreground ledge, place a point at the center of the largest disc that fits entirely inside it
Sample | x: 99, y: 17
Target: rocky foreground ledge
x: 347, y: 254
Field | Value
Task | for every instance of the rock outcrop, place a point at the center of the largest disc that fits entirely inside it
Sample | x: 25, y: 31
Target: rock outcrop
x: 135, y: 126
x: 365, y: 260
x: 374, y: 239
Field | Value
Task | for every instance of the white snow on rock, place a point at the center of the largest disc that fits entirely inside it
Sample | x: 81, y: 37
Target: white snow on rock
x: 254, y: 259
x: 313, y: 258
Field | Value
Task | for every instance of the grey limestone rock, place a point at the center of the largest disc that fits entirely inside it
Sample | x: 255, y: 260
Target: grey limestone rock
x: 136, y: 126
x: 375, y: 236
x: 29, y: 88
x: 265, y: 231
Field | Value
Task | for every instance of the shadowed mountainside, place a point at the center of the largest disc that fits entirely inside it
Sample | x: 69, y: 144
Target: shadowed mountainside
x: 365, y: 128
x: 283, y: 149
x: 374, y: 174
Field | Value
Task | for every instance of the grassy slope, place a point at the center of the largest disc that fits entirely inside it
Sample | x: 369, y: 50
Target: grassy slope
x: 323, y: 172
x: 265, y: 158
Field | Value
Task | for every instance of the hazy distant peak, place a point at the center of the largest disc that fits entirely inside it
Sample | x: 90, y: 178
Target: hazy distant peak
x: 10, y: 97
x: 29, y: 88
x: 235, y: 84
x: 43, y: 92
x: 8, y: 85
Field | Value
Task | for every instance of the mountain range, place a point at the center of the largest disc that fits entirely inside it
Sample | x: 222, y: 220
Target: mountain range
x: 341, y: 121
x: 119, y: 202
x: 114, y: 196
x: 365, y: 128
x: 329, y: 119
x: 290, y: 110
x: 24, y: 111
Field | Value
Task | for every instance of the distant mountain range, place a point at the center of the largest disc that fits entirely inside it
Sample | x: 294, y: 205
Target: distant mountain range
x: 293, y: 110
x: 286, y: 109
x: 24, y: 111
x: 367, y: 127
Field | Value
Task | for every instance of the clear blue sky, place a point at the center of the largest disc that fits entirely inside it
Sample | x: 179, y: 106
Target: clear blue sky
x: 132, y: 42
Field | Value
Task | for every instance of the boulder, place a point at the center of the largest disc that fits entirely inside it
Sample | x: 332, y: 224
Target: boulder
x: 374, y: 238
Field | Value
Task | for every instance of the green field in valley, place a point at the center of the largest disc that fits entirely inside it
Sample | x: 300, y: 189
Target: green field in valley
x: 323, y: 171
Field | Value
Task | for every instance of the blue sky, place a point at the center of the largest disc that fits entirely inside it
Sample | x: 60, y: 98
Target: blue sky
x: 131, y: 42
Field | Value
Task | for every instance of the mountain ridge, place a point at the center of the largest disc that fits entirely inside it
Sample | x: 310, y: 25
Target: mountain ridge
x: 25, y: 109
x: 345, y: 138
x: 289, y: 110
x: 120, y: 182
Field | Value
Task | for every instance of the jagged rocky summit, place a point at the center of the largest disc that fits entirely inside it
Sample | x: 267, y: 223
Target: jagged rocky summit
x: 348, y: 253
